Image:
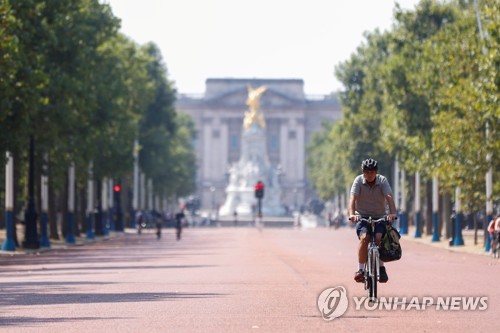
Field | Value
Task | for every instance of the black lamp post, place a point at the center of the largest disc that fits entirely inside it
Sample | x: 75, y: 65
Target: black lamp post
x: 31, y: 237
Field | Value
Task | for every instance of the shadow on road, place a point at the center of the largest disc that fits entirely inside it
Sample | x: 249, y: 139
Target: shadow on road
x: 29, y: 321
x: 29, y: 297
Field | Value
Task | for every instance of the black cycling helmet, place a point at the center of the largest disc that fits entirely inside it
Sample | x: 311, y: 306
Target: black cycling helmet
x: 369, y: 164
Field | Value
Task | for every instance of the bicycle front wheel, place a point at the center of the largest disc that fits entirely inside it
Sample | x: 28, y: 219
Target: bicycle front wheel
x: 374, y: 276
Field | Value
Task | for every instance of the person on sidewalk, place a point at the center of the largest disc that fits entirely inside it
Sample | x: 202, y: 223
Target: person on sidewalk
x: 494, y: 231
x: 179, y: 221
x: 370, y: 194
x: 235, y: 218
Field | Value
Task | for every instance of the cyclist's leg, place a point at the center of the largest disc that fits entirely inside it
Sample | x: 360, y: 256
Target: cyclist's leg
x: 379, y: 233
x: 364, y: 240
x: 364, y: 236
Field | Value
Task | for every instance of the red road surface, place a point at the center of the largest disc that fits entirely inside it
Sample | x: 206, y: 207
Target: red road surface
x: 235, y: 280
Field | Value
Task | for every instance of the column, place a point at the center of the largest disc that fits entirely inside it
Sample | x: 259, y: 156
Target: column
x: 90, y: 203
x: 135, y: 198
x: 44, y: 239
x: 396, y: 188
x: 418, y: 233
x: 70, y: 230
x: 435, y: 209
x: 403, y: 214
x: 9, y: 244
x: 458, y: 219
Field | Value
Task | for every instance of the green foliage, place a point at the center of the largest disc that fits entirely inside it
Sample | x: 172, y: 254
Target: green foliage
x: 184, y: 170
x: 86, y: 92
x: 9, y: 52
x: 464, y: 103
x: 424, y: 92
x: 157, y: 127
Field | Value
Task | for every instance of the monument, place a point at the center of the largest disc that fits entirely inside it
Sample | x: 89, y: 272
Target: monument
x: 253, y: 166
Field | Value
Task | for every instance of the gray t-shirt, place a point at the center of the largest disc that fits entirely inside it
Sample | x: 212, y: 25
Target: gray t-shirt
x: 371, y: 200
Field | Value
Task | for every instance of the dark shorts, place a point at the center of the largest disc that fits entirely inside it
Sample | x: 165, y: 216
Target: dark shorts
x: 364, y: 227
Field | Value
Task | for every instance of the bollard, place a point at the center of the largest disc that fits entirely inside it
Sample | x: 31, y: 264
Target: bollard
x: 70, y: 232
x: 404, y: 224
x: 9, y: 244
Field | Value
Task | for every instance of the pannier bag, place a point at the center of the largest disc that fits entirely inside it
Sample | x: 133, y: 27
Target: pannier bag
x: 390, y: 247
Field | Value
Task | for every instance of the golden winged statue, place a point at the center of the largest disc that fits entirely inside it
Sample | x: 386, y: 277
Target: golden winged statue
x: 253, y: 101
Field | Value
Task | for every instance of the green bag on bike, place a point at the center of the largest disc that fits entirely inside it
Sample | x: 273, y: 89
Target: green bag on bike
x: 390, y: 247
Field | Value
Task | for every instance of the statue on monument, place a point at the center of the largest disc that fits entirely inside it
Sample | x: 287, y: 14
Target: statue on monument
x: 252, y: 166
x: 253, y: 101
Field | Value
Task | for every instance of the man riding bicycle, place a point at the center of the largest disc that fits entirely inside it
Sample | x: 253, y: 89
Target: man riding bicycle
x: 370, y: 192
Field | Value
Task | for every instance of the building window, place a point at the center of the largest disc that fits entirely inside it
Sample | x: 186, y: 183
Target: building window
x: 292, y: 134
x: 215, y: 134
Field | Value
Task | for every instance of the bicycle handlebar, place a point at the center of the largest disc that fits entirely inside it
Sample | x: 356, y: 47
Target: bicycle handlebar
x: 382, y: 219
x: 367, y: 219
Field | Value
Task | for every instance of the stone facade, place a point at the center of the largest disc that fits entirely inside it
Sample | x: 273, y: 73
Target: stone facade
x: 291, y: 118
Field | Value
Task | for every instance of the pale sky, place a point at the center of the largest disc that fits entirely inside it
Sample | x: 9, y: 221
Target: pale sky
x: 290, y: 39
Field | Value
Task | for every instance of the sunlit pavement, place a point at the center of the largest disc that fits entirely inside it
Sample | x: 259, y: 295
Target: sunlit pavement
x: 233, y: 280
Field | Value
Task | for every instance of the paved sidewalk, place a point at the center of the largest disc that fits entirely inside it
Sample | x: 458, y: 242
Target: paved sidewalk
x: 58, y: 244
x: 468, y: 236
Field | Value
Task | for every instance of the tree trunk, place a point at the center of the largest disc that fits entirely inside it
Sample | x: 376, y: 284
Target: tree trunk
x: 428, y: 208
x: 99, y: 231
x: 82, y: 214
x: 474, y: 217
x: 52, y: 212
x: 410, y: 207
x: 38, y: 190
x: 446, y: 215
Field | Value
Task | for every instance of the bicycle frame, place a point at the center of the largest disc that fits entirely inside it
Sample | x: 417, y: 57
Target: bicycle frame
x: 372, y: 267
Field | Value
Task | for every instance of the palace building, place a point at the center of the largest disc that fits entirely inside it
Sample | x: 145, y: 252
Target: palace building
x: 290, y: 116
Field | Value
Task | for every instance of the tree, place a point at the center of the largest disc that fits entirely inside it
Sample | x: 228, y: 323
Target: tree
x: 157, y: 126
x: 425, y: 91
x: 464, y: 101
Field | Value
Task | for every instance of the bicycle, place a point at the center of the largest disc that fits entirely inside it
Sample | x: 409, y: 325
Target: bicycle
x: 372, y: 266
